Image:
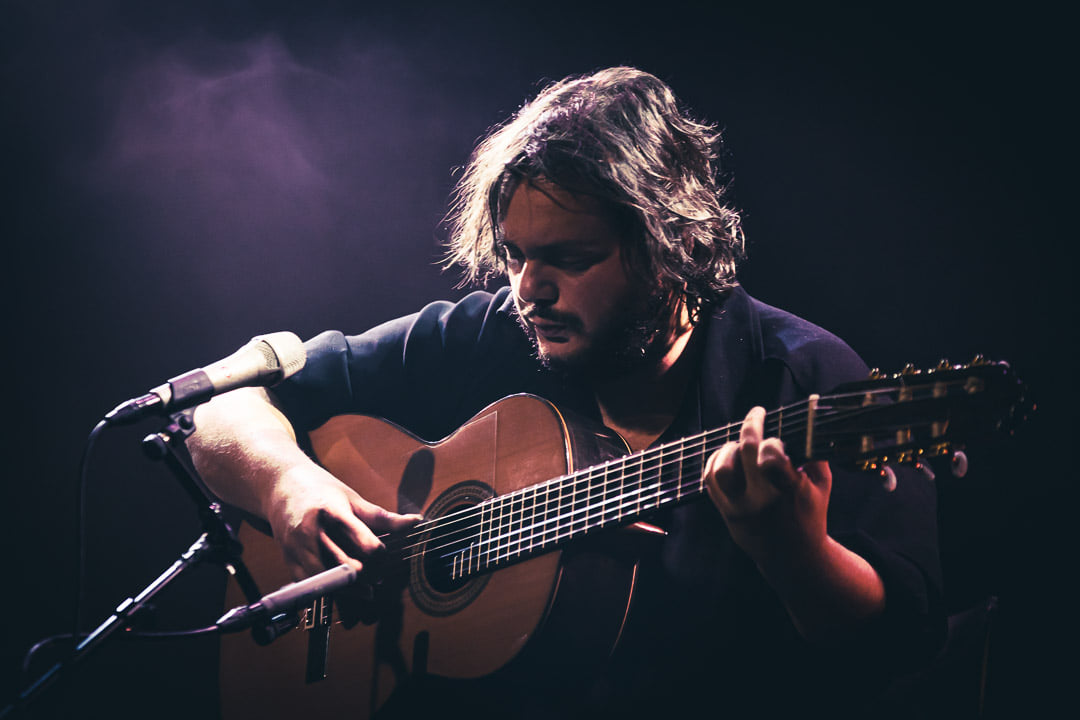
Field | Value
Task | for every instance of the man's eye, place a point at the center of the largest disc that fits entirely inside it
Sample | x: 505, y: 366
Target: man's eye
x: 576, y: 262
x: 511, y: 255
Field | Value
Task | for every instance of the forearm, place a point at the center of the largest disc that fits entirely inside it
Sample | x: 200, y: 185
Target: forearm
x: 242, y: 447
x: 828, y: 591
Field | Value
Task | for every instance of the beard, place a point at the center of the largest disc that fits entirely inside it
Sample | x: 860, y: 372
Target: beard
x: 629, y: 341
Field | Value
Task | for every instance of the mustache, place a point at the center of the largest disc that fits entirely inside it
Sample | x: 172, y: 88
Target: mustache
x: 532, y: 313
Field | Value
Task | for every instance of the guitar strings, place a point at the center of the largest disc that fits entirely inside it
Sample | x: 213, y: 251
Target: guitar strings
x: 655, y: 475
x: 681, y: 445
x: 571, y: 490
x: 652, y: 470
x: 653, y: 491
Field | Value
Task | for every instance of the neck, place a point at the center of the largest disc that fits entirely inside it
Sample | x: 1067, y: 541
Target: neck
x: 641, y: 404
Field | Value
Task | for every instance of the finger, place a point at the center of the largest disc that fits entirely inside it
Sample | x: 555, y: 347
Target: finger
x: 351, y: 532
x: 336, y: 554
x: 775, y: 465
x: 750, y: 435
x: 379, y: 518
x: 724, y: 478
x: 819, y: 473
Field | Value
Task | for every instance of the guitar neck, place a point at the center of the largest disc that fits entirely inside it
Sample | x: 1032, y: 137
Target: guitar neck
x: 902, y: 419
x: 540, y: 518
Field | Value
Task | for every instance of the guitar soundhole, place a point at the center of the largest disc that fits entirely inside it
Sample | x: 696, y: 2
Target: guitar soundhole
x: 432, y: 583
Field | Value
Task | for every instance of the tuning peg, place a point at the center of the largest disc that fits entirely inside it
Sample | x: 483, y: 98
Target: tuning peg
x: 959, y: 464
x: 979, y: 359
x: 888, y: 478
x: 925, y: 470
x: 943, y: 364
x: 876, y: 374
x: 909, y: 369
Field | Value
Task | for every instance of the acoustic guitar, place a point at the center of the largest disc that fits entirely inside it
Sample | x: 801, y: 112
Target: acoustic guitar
x: 514, y: 547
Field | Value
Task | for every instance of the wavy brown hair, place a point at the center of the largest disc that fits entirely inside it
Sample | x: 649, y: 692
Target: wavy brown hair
x: 618, y: 135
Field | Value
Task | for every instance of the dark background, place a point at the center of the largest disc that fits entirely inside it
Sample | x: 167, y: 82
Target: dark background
x: 180, y: 176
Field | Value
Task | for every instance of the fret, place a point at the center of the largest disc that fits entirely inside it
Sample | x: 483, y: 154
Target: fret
x: 638, y: 484
x: 612, y: 495
x: 588, y: 487
x: 644, y: 484
x: 516, y: 513
x: 596, y: 500
x: 619, y: 512
x: 525, y: 530
x: 656, y: 477
x: 504, y: 529
x: 484, y: 536
x: 557, y: 489
x: 544, y: 524
x: 495, y: 529
x: 670, y: 477
x: 531, y: 502
x: 507, y: 531
x: 577, y: 514
x: 680, y: 472
x: 524, y: 533
x: 556, y: 511
x: 604, y: 501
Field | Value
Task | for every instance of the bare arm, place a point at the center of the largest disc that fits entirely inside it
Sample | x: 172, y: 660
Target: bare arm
x: 245, y: 450
x: 778, y: 516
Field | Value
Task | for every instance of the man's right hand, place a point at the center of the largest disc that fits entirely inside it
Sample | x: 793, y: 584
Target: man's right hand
x: 245, y: 450
x: 320, y: 522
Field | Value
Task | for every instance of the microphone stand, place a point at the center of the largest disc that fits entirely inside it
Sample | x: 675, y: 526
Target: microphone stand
x: 217, y: 544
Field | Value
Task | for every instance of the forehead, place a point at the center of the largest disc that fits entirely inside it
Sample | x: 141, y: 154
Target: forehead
x: 540, y: 213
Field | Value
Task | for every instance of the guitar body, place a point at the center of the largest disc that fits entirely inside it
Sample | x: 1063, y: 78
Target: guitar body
x: 423, y: 622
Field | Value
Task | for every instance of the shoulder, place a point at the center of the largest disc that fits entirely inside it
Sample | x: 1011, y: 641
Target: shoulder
x: 816, y: 358
x: 471, y: 316
x: 441, y: 323
x: 417, y: 361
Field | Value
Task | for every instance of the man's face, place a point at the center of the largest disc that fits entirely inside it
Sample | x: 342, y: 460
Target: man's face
x: 573, y: 293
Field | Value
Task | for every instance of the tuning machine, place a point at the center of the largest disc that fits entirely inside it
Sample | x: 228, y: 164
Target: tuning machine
x: 888, y: 478
x: 958, y: 464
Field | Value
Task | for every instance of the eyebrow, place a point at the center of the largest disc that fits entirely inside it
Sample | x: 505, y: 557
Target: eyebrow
x: 579, y: 244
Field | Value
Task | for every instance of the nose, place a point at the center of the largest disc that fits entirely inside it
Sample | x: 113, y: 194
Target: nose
x: 536, y: 284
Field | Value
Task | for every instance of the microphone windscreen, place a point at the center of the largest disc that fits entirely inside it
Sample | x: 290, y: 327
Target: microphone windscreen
x: 283, y: 350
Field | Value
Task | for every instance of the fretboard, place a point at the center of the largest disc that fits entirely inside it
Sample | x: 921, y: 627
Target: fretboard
x: 539, y: 518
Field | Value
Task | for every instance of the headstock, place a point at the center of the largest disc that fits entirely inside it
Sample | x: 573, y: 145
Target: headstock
x: 913, y: 416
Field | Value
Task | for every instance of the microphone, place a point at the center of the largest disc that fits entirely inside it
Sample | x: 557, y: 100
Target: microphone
x: 266, y: 360
x: 287, y: 599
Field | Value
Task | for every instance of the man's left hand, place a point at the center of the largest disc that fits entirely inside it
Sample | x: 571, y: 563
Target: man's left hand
x: 771, y: 508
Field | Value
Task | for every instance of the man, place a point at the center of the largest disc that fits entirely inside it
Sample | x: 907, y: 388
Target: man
x: 600, y: 203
